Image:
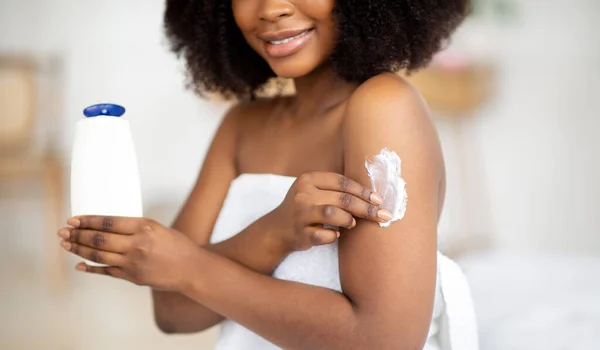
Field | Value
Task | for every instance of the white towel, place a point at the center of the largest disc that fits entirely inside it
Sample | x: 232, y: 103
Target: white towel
x: 458, y: 326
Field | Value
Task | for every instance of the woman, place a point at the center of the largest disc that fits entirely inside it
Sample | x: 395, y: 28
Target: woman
x: 284, y: 190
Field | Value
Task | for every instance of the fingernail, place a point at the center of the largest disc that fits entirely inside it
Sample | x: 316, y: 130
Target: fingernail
x: 375, y: 198
x: 353, y: 223
x: 80, y: 267
x: 66, y: 245
x: 337, y: 234
x: 384, y: 215
x: 64, y: 234
x: 73, y: 222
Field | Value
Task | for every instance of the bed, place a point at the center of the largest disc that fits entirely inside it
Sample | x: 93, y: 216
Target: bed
x: 549, y: 302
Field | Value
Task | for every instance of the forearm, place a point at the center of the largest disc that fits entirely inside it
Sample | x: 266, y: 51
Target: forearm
x: 255, y: 247
x: 259, y: 247
x: 291, y: 315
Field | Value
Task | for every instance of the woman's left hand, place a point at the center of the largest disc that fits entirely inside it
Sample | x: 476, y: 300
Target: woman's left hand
x: 139, y: 250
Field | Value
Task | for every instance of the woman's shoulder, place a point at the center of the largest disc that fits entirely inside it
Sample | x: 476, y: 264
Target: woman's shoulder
x: 388, y: 111
x: 387, y: 99
x: 387, y: 90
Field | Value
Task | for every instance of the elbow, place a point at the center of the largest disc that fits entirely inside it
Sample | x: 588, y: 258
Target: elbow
x: 172, y: 324
x: 165, y: 326
x: 165, y: 321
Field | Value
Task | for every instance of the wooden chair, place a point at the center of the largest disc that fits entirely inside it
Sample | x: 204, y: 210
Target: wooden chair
x: 21, y: 160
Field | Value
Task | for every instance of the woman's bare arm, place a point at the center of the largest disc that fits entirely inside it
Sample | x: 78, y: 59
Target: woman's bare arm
x: 254, y: 247
x: 387, y: 274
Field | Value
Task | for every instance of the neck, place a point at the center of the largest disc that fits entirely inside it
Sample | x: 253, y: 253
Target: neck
x: 320, y: 91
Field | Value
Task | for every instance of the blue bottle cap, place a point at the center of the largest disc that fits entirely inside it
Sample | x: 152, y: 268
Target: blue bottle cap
x: 104, y: 109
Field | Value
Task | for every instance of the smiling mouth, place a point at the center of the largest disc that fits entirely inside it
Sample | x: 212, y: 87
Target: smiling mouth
x: 287, y: 40
x: 285, y: 43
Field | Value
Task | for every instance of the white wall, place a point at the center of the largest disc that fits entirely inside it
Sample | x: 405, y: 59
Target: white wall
x: 114, y: 50
x: 539, y: 138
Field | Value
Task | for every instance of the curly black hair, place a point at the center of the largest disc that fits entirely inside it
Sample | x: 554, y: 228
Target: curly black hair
x: 375, y: 36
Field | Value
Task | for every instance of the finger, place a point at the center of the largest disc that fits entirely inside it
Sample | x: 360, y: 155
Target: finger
x: 356, y: 206
x: 341, y: 183
x: 321, y: 236
x: 95, y: 255
x: 116, y: 224
x: 328, y: 215
x: 112, y: 271
x: 111, y: 242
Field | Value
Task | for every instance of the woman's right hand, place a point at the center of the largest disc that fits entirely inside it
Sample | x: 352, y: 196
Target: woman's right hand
x: 320, y: 202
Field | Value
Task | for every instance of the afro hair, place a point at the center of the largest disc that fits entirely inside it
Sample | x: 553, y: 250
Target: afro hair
x: 375, y: 36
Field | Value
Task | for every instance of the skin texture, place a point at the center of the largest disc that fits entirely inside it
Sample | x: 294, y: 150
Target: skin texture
x: 323, y: 132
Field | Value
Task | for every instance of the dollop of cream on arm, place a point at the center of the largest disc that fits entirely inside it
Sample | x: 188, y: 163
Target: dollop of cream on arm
x: 385, y: 173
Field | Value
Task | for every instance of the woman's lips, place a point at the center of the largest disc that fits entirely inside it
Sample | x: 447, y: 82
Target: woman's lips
x: 285, y: 43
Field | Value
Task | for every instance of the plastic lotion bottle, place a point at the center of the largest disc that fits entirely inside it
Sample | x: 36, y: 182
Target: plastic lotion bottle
x: 104, y: 173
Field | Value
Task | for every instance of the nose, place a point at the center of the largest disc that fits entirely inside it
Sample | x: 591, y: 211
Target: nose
x: 274, y: 10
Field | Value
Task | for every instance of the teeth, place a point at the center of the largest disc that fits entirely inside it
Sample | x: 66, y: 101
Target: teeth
x: 287, y: 40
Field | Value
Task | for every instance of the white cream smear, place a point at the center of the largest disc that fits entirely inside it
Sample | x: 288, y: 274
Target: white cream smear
x: 385, y: 173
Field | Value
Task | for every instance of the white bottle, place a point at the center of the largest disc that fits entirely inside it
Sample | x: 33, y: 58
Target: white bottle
x: 104, y: 173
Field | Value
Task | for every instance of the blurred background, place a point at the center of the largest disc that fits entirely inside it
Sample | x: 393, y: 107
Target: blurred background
x: 515, y: 98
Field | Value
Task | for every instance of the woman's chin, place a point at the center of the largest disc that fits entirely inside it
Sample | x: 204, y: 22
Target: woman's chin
x: 292, y: 70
